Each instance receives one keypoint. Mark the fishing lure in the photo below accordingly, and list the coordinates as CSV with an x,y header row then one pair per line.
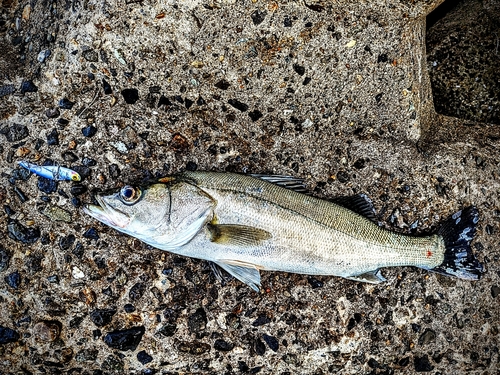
x,y
51,172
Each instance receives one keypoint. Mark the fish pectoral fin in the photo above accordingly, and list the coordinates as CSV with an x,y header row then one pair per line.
x,y
237,235
245,272
372,277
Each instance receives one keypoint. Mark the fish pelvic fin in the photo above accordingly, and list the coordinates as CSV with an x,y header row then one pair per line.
x,y
237,235
457,233
245,272
372,277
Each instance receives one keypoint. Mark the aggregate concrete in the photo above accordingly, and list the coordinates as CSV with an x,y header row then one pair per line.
x,y
335,92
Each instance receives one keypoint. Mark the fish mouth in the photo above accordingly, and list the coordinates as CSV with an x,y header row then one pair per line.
x,y
107,214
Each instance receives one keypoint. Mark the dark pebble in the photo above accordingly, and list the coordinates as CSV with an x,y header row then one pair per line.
x,y
222,84
378,97
62,121
46,185
287,22
255,115
315,283
78,189
8,211
223,345
88,162
69,156
7,90
188,103
306,81
258,17
261,320
163,101
91,234
20,194
76,321
28,86
17,40
78,250
299,69
144,357
382,58
82,170
101,317
259,347
131,96
342,177
191,166
126,339
403,362
495,290
90,55
422,364
8,335
15,132
114,171
13,279
129,308
53,138
238,105
52,113
271,341
179,99
168,330
65,103
45,239
106,87
19,232
91,76
427,337
4,258
194,347
66,242
89,131
53,279
200,101
33,263
137,291
20,174
76,202
198,321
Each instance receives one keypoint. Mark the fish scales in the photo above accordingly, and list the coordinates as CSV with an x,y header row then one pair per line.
x,y
245,224
310,235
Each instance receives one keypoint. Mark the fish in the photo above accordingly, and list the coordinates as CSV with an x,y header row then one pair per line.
x,y
250,223
51,172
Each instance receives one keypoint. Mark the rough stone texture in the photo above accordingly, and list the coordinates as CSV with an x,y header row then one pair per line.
x,y
335,92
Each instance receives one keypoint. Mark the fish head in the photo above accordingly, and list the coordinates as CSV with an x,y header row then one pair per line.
x,y
164,215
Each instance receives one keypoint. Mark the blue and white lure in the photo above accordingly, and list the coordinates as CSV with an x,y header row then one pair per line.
x,y
52,172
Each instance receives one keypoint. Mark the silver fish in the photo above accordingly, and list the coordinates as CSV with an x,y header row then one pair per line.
x,y
245,224
52,172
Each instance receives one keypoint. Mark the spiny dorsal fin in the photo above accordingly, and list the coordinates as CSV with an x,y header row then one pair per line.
x,y
360,204
288,182
237,235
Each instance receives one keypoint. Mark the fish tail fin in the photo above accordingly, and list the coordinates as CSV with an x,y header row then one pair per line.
x,y
458,232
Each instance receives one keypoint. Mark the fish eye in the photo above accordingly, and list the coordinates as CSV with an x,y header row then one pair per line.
x,y
75,177
129,194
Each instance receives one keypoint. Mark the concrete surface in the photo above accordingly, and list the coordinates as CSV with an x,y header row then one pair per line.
x,y
335,92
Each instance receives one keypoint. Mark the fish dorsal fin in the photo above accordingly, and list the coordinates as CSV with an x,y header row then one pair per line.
x,y
360,204
288,182
237,235
372,277
243,271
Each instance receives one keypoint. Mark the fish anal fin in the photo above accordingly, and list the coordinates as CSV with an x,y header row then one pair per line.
x,y
237,235
371,277
247,273
360,204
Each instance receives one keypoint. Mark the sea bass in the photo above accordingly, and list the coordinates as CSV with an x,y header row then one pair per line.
x,y
245,224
